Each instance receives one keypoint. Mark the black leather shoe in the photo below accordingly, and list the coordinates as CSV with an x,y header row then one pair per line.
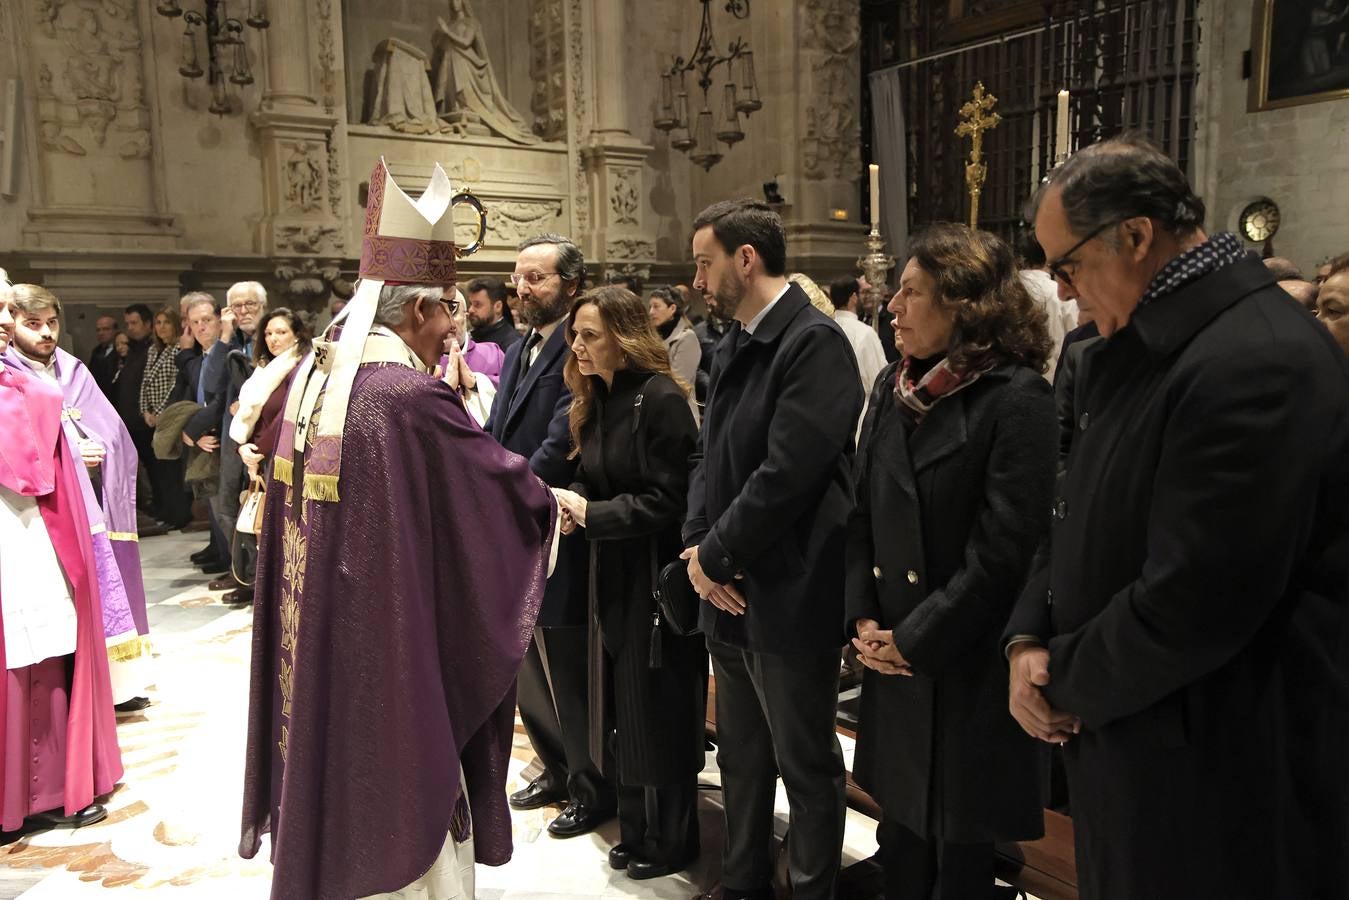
x,y
205,553
641,869
619,856
214,566
239,597
577,819
94,812
135,704
535,795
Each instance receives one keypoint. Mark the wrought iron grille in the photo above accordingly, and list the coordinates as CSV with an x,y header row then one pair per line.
x,y
1130,64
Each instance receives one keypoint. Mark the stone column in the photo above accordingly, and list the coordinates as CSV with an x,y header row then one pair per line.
x,y
620,235
303,226
290,78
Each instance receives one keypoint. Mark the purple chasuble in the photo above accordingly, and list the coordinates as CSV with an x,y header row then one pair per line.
x,y
386,643
87,413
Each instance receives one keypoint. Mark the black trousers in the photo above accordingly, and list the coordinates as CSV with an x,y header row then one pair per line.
x,y
918,868
553,707
775,714
172,501
660,824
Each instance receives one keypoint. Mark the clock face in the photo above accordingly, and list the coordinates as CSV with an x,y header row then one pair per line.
x,y
1260,220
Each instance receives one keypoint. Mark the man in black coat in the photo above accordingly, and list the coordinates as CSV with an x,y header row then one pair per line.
x,y
103,358
529,417
768,505
1186,639
489,315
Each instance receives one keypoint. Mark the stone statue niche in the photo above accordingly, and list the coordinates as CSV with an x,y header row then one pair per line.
x,y
467,94
402,92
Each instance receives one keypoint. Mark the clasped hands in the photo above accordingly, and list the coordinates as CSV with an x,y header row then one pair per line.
x,y
725,597
877,651
571,506
91,452
1028,675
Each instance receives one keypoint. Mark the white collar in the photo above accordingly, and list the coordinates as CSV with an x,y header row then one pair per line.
x,y
757,320
845,314
46,370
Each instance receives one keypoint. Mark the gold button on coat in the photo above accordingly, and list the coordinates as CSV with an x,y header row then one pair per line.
x,y
913,577
876,570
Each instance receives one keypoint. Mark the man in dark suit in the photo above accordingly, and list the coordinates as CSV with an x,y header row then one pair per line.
x,y
768,505
103,358
529,417
1186,636
489,315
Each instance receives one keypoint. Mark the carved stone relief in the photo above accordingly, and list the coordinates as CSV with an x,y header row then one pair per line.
x,y
334,175
548,69
305,177
310,239
511,221
625,198
90,78
327,53
630,248
575,50
308,280
832,145
642,272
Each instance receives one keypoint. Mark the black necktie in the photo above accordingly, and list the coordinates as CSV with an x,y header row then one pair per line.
x,y
526,349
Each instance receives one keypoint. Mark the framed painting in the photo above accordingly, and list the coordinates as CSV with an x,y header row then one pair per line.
x,y
1299,53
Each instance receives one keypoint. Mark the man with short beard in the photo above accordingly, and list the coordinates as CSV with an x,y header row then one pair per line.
x,y
529,417
489,315
95,434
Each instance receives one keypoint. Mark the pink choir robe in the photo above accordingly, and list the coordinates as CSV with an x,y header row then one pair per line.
x,y
73,732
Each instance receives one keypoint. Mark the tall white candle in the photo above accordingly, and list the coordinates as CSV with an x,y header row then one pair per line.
x,y
1061,132
875,194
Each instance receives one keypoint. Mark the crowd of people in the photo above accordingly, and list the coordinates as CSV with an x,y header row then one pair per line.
x,y
1088,503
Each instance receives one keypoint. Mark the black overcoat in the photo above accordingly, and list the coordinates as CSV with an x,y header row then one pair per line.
x,y
771,486
529,417
1197,602
634,472
948,517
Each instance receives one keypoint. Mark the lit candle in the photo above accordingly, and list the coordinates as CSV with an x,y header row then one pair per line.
x,y
875,194
1061,133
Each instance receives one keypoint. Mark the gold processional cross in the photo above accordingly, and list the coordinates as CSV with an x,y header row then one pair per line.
x,y
977,116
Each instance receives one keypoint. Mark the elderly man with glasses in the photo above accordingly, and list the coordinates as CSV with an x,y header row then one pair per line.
x,y
1184,637
529,417
225,367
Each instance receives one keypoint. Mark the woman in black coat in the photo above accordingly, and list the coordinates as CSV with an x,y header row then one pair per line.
x,y
954,477
634,431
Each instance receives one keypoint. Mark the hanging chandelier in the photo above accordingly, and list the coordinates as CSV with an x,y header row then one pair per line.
x,y
224,45
672,114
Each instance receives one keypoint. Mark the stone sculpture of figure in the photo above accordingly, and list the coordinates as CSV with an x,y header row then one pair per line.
x,y
463,80
403,99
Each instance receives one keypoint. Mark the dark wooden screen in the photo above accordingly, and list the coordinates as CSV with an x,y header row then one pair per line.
x,y
1130,64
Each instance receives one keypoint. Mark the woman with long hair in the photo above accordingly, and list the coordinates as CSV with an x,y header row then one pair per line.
x,y
633,430
284,341
954,478
172,502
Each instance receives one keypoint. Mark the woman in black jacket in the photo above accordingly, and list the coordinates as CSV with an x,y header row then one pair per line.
x,y
954,477
634,433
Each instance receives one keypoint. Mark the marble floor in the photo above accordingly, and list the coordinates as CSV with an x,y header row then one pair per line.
x,y
174,820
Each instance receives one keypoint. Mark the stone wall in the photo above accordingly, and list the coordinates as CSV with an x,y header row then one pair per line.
x,y
1296,156
131,190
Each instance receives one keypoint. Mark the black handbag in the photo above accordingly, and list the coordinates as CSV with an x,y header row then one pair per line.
x,y
676,602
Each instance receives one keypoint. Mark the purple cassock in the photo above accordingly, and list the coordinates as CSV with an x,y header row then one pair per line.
x,y
87,413
386,643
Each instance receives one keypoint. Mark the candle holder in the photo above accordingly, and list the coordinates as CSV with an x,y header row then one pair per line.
x,y
876,266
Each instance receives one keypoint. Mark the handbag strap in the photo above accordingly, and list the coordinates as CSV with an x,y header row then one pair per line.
x,y
639,440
